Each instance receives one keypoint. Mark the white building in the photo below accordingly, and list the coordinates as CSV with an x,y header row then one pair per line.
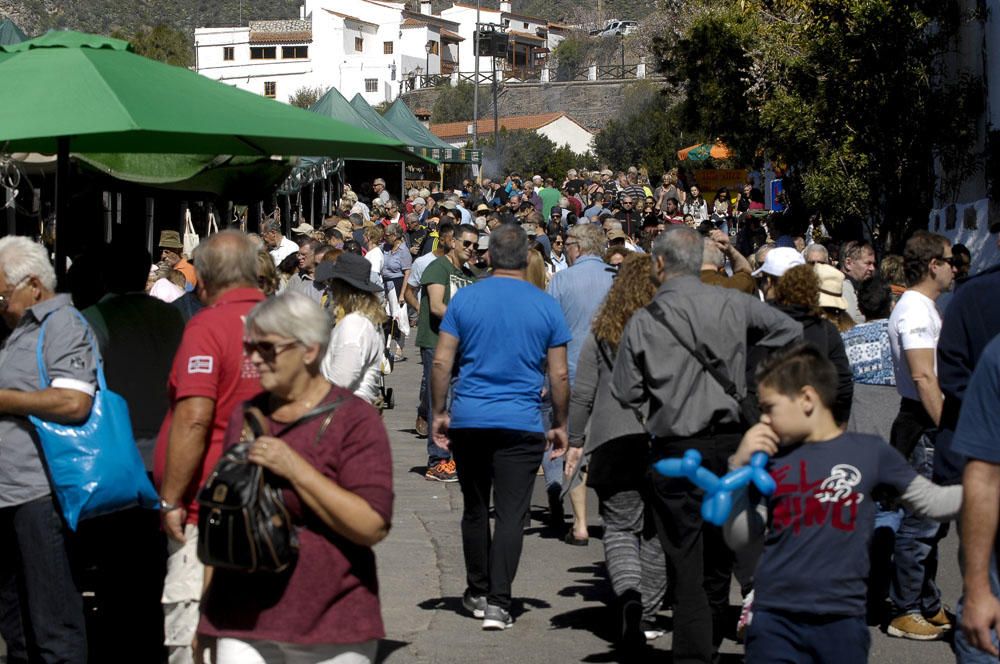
x,y
357,46
531,38
966,205
559,128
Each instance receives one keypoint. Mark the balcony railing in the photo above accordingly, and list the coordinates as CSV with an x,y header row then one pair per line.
x,y
540,74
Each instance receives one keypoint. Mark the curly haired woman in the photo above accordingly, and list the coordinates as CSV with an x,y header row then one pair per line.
x,y
797,294
617,449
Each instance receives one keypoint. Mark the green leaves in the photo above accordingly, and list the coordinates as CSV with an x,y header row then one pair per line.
x,y
840,90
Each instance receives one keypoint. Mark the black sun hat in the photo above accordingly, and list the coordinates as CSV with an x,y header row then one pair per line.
x,y
349,268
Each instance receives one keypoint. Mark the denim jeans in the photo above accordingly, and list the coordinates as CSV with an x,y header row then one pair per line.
x,y
913,588
435,454
41,610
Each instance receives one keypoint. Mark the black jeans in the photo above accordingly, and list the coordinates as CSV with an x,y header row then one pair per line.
x,y
41,610
505,461
697,551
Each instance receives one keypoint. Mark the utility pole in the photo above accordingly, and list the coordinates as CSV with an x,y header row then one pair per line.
x,y
475,79
496,110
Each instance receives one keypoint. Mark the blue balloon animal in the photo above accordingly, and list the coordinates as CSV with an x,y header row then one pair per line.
x,y
718,500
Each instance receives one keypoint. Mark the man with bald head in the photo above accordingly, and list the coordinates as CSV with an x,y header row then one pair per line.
x,y
209,378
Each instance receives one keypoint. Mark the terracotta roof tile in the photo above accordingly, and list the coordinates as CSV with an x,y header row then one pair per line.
x,y
513,123
448,35
279,37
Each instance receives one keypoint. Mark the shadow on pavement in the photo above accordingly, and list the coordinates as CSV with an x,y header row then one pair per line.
x,y
388,646
518,606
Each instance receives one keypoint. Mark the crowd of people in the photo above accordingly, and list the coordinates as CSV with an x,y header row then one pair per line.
x,y
577,328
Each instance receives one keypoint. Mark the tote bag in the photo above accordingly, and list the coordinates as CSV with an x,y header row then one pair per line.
x,y
191,239
95,467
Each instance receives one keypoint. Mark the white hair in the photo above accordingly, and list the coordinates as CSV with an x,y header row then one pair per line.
x,y
292,315
20,258
818,250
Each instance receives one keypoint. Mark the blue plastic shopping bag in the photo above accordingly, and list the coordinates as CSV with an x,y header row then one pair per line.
x,y
95,467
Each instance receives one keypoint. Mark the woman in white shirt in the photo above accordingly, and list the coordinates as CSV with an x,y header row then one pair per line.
x,y
356,352
375,255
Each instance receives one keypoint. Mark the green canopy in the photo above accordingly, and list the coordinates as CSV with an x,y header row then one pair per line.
x,y
101,97
400,117
91,94
225,176
333,105
370,115
10,33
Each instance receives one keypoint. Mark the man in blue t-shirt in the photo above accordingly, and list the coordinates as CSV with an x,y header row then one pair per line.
x,y
494,429
976,439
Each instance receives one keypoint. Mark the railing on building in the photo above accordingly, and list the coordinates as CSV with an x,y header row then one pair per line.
x,y
592,72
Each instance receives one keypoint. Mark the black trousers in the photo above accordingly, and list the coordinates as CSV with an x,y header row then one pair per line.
x,y
41,610
506,462
702,561
123,557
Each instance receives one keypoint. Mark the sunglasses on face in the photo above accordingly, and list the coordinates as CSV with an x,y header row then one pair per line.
x,y
468,243
950,260
268,350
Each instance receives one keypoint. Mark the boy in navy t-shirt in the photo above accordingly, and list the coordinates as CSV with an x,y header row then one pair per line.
x,y
811,581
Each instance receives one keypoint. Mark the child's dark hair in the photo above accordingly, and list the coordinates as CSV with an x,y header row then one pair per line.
x,y
788,370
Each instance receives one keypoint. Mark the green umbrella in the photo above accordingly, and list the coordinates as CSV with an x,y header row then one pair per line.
x,y
86,93
102,97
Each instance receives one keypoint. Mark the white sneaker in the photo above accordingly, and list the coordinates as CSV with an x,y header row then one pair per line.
x,y
496,619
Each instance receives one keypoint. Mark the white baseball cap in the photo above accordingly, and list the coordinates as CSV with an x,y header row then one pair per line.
x,y
779,260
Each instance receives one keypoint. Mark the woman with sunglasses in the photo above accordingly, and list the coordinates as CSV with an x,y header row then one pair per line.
x,y
356,350
335,470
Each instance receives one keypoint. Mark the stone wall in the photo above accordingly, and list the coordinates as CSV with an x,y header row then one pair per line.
x,y
591,103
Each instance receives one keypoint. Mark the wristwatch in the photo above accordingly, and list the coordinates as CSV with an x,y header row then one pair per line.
x,y
168,507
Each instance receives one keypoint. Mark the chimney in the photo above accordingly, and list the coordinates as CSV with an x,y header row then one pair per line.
x,y
425,7
302,12
504,6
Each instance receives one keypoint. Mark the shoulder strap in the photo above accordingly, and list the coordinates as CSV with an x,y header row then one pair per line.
x,y
719,374
315,412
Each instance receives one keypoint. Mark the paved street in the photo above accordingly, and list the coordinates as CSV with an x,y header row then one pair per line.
x,y
560,592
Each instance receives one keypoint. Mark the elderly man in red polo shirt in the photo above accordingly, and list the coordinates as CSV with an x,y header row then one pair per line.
x,y
210,377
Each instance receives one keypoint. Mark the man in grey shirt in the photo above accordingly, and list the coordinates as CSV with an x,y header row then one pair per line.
x,y
684,407
41,610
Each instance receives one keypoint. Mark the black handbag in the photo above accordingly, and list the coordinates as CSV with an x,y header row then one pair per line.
x,y
748,405
243,523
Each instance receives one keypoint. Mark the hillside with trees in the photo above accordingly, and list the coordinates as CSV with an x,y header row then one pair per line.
x,y
128,16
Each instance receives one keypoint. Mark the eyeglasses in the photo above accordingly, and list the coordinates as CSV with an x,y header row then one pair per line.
x,y
5,298
468,243
571,244
950,260
626,202
268,350
557,243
